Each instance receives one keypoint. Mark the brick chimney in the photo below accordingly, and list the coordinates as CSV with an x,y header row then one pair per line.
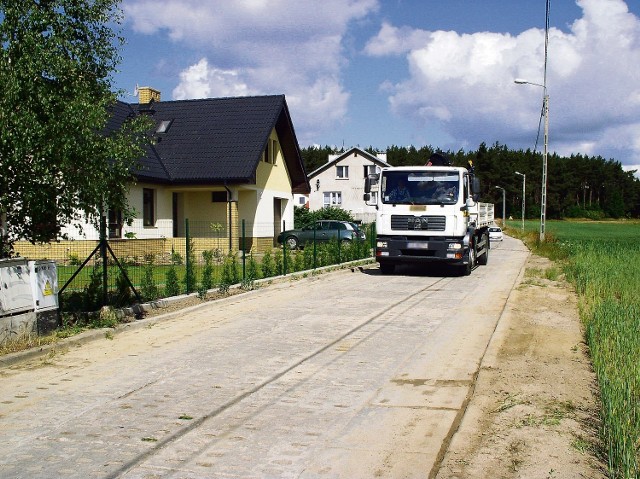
x,y
146,94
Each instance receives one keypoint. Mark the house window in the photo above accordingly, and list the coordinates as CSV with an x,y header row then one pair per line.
x,y
114,224
370,170
268,151
276,150
302,200
342,172
218,196
332,198
163,126
148,207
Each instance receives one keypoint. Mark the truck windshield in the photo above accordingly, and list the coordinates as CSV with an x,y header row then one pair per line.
x,y
419,187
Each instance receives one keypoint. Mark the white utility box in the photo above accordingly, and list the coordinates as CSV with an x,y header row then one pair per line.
x,y
44,288
44,283
15,287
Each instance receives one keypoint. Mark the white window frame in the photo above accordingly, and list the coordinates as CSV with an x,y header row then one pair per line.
x,y
342,172
332,198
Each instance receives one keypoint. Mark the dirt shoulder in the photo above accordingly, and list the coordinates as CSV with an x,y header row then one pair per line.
x,y
534,411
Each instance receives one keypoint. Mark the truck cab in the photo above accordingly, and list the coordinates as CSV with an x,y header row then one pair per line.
x,y
427,214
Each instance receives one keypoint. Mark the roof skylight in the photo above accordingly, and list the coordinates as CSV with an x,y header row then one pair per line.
x,y
164,126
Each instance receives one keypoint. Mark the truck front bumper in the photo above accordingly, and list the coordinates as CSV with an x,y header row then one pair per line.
x,y
394,250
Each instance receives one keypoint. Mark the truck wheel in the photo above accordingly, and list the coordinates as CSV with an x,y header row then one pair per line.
x,y
484,259
472,260
387,268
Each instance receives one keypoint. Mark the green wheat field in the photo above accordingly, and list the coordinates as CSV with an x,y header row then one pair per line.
x,y
602,260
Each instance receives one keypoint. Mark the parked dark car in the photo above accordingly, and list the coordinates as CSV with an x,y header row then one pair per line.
x,y
325,230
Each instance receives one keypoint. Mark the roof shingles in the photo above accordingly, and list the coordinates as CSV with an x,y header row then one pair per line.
x,y
216,140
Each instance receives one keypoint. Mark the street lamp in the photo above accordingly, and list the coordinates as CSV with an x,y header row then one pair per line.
x,y
524,181
545,109
503,203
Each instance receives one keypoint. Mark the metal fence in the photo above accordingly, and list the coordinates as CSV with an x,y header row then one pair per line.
x,y
124,271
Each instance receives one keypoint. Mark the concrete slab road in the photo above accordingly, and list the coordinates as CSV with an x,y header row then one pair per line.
x,y
346,374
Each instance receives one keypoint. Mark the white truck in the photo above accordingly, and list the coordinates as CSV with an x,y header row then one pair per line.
x,y
428,214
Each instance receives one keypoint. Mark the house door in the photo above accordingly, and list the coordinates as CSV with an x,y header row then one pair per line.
x,y
277,219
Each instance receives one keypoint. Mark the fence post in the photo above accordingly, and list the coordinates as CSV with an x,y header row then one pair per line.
x,y
103,256
244,255
284,252
315,249
187,255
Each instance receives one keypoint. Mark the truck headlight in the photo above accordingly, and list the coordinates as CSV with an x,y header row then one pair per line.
x,y
381,244
455,246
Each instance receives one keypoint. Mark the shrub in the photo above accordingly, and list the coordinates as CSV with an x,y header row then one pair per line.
x,y
303,217
278,262
268,265
230,271
176,257
207,272
252,269
172,285
148,287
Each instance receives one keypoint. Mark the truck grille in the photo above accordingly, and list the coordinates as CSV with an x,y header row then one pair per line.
x,y
419,223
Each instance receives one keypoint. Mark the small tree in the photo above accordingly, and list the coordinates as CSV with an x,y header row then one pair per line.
x,y
252,270
148,287
59,161
172,285
207,272
268,265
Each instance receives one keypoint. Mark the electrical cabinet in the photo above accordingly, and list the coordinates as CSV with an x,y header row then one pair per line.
x,y
15,287
44,284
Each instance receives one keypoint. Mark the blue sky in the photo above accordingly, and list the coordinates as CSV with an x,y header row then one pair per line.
x,y
404,72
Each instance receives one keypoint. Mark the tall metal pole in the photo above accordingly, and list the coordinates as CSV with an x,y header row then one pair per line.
x,y
543,209
545,107
545,111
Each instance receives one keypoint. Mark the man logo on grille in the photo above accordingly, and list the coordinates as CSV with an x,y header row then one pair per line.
x,y
419,223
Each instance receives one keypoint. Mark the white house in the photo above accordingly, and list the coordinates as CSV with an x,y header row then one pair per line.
x,y
340,182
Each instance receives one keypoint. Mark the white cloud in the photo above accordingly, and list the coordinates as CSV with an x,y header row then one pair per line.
x,y
465,82
202,81
261,47
393,40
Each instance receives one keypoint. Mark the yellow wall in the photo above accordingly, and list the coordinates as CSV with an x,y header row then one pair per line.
x,y
274,176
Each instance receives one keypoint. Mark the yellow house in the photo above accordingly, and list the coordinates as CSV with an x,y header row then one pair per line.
x,y
214,162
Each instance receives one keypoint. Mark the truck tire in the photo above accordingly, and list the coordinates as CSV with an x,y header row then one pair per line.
x,y
484,259
472,259
387,268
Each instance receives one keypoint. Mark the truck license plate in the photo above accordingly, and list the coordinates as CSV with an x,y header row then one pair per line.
x,y
416,245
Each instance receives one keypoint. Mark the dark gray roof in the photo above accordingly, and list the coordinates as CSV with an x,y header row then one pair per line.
x,y
373,158
215,141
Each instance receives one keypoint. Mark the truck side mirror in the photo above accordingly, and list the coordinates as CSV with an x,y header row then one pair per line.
x,y
370,181
475,185
366,197
475,188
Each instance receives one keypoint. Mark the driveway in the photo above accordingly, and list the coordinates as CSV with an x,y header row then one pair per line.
x,y
345,374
